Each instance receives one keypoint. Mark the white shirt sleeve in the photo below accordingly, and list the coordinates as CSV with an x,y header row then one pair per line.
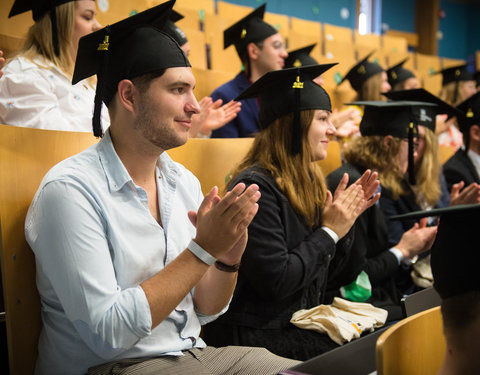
x,y
73,255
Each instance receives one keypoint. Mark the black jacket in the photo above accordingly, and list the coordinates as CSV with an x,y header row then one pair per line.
x,y
370,249
460,168
284,269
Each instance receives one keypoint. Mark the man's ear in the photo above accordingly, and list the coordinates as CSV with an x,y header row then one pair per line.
x,y
127,94
253,51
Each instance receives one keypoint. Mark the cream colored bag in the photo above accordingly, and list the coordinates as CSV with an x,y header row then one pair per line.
x,y
343,320
422,273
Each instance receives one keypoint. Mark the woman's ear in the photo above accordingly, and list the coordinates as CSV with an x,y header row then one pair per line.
x,y
126,94
387,141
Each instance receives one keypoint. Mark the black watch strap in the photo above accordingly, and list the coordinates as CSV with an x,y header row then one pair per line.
x,y
226,268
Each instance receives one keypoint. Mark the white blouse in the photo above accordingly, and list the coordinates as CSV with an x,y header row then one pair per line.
x,y
37,94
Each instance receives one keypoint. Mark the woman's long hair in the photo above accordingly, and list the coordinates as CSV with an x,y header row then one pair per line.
x,y
371,152
39,38
371,88
450,93
427,189
300,179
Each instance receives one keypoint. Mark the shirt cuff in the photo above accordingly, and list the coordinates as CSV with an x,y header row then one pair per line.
x,y
398,254
332,234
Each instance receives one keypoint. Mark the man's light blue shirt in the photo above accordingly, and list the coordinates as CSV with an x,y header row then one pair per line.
x,y
95,242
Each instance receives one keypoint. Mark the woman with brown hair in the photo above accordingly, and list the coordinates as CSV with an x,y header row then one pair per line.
x,y
292,242
36,89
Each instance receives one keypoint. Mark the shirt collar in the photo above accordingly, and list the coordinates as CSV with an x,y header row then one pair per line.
x,y
475,158
116,173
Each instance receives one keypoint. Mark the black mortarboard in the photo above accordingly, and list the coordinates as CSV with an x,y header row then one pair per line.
x,y
397,73
127,49
395,118
362,71
454,255
39,8
476,77
285,91
470,115
173,30
455,74
425,115
250,29
300,57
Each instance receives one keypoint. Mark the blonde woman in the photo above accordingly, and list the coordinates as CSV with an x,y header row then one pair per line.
x,y
384,147
458,85
292,244
36,89
368,79
430,188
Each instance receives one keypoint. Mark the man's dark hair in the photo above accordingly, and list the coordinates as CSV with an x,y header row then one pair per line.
x,y
460,311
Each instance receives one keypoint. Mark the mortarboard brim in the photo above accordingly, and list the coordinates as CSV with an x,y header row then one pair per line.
x,y
435,212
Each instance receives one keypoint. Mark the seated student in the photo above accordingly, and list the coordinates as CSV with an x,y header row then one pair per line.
x,y
383,147
346,121
293,237
125,279
464,165
368,79
458,283
213,114
457,86
260,48
429,189
400,78
36,90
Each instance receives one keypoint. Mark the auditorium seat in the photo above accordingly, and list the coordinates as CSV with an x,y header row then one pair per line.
x,y
25,157
413,346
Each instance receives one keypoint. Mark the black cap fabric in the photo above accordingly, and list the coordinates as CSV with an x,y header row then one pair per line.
x,y
173,30
455,74
300,57
397,73
425,115
38,7
250,29
362,71
476,77
470,110
454,255
389,118
285,91
398,119
127,49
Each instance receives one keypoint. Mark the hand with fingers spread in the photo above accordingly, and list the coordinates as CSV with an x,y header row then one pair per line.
x,y
469,195
213,115
417,239
369,183
222,223
341,211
